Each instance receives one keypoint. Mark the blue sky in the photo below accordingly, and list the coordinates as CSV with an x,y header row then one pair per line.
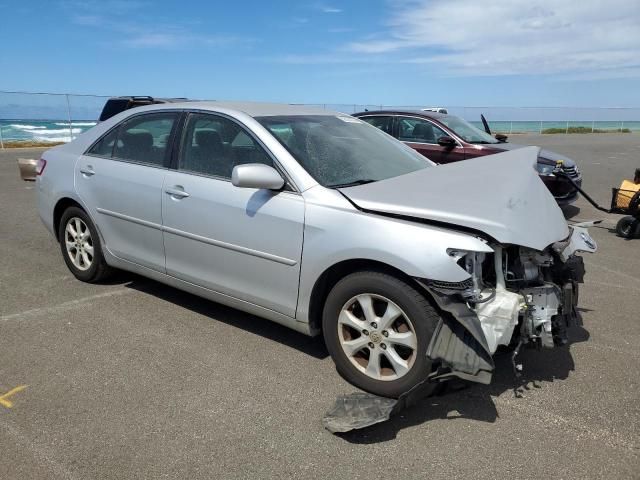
x,y
411,52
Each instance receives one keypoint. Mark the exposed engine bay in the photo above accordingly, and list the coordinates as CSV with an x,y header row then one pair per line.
x,y
518,295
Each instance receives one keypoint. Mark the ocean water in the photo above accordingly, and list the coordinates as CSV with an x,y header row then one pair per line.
x,y
62,131
539,126
43,130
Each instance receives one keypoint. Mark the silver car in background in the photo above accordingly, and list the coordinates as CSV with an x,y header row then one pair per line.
x,y
323,223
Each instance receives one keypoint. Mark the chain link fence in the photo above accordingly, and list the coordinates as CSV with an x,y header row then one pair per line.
x,y
28,118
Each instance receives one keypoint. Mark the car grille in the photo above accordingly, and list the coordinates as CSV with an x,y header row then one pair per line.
x,y
573,172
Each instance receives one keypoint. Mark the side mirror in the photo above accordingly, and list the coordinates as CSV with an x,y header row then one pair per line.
x,y
446,142
256,175
501,138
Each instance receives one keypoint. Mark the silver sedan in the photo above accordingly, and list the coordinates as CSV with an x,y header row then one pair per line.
x,y
321,222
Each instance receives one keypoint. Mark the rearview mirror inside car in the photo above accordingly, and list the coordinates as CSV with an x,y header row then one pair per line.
x,y
446,142
256,175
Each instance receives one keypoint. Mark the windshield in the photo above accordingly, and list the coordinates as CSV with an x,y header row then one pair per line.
x,y
342,150
466,131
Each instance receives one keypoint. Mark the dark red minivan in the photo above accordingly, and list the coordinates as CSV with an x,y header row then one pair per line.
x,y
444,138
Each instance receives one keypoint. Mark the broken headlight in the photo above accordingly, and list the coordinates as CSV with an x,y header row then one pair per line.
x,y
546,169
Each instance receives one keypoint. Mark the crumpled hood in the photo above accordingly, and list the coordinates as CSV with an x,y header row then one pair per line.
x,y
500,195
544,154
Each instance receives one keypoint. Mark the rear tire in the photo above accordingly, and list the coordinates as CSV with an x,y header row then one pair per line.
x,y
377,329
81,247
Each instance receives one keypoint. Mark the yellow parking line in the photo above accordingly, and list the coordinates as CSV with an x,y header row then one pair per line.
x,y
4,399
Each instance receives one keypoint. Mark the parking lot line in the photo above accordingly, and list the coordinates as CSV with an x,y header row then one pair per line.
x,y
4,399
65,305
610,270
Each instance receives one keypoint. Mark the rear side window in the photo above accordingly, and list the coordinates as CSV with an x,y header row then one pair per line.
x,y
104,147
381,122
213,145
145,139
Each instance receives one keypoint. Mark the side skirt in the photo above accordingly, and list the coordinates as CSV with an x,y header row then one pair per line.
x,y
218,297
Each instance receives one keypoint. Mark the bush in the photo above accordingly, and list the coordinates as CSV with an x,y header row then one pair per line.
x,y
584,130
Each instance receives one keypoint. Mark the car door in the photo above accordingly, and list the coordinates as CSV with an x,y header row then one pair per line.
x,y
241,242
120,181
422,135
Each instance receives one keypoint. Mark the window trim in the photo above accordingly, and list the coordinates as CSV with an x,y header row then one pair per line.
x,y
289,185
445,130
166,162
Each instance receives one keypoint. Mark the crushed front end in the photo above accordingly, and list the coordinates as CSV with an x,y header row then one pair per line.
x,y
514,296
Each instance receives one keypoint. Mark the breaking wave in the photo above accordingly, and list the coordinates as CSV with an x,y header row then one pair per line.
x,y
26,127
76,124
54,139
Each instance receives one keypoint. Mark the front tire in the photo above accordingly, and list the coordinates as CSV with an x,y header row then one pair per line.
x,y
377,329
80,246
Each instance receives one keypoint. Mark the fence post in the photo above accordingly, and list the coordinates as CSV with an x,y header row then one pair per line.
x,y
567,130
593,125
69,116
540,127
621,126
1,141
511,129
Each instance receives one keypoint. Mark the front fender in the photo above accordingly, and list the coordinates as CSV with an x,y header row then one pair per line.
x,y
333,235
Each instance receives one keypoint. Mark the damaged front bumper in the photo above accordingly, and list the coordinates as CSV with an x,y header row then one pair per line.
x,y
515,296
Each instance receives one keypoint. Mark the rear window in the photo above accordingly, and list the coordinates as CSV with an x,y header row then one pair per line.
x,y
113,107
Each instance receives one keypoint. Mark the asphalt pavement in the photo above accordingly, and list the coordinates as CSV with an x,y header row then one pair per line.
x,y
133,379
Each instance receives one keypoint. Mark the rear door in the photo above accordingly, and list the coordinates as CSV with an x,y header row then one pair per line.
x,y
241,242
422,135
120,180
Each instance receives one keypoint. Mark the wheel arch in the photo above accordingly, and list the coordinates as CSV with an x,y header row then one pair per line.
x,y
61,206
64,203
333,274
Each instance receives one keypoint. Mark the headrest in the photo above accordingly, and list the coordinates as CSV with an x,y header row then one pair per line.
x,y
137,140
208,139
423,130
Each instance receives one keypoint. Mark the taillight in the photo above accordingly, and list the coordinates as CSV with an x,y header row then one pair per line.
x,y
40,166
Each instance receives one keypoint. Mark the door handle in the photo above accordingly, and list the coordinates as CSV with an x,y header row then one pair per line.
x,y
88,171
174,192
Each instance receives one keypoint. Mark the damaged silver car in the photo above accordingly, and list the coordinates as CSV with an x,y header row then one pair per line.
x,y
325,224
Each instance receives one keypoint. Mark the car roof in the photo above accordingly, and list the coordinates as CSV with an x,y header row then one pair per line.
x,y
253,109
419,113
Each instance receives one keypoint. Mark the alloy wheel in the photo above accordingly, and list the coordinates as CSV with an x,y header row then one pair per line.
x,y
377,337
78,243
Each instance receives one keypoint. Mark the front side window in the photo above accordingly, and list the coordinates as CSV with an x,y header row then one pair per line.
x,y
145,138
466,131
213,145
342,150
419,131
384,123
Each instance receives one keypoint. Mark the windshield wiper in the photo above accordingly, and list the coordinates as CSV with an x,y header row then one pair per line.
x,y
362,181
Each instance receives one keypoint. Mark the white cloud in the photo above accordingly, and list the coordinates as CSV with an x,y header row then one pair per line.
x,y
179,39
138,31
328,9
87,20
153,40
494,37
